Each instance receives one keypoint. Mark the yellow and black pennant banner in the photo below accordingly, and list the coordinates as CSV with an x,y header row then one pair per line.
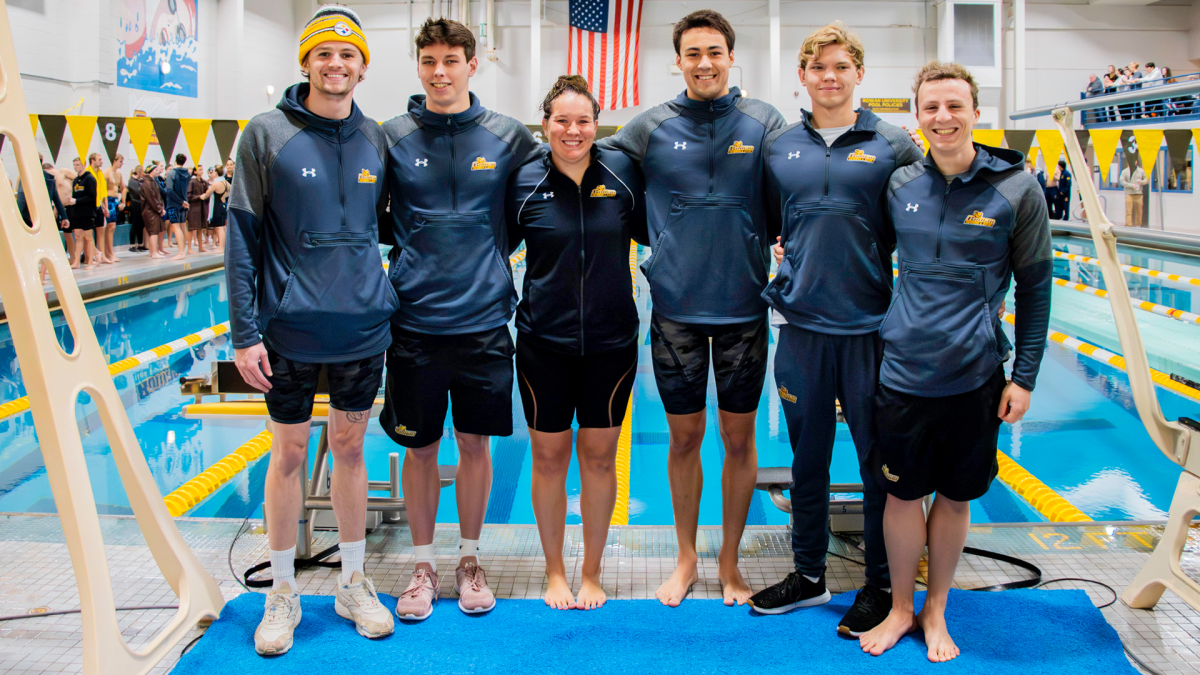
x,y
143,131
1178,143
1104,145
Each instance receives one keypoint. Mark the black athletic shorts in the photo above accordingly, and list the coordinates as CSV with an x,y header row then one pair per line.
x,y
81,220
474,370
353,386
557,387
943,444
681,356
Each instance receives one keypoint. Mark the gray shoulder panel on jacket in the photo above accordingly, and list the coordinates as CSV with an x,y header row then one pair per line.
x,y
374,133
506,128
633,137
395,129
774,135
763,112
262,139
1031,230
902,144
905,175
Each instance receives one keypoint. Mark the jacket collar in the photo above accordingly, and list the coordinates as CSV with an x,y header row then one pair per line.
x,y
987,160
292,103
866,120
450,124
718,107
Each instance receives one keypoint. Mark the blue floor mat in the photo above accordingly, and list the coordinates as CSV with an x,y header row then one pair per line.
x,y
1013,632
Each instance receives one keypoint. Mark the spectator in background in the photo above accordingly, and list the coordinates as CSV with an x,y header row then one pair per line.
x,y
1060,208
220,202
133,210
1153,77
83,214
153,209
229,171
60,211
1110,87
1094,88
1133,76
197,214
1132,182
175,197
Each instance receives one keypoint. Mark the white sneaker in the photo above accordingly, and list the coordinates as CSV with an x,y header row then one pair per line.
x,y
358,602
282,615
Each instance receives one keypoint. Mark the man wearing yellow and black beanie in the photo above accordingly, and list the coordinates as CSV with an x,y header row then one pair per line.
x,y
306,294
334,23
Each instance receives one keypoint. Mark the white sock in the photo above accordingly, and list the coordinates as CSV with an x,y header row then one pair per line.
x,y
468,547
426,555
352,558
812,579
283,569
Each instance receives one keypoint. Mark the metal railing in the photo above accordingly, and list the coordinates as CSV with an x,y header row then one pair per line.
x,y
1155,108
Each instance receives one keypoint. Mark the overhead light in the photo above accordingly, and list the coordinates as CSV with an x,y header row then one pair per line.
x,y
165,67
270,90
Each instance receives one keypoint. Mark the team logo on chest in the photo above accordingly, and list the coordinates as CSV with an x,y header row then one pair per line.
x,y
547,195
977,218
602,191
422,162
481,164
681,145
912,207
308,173
794,155
738,149
859,156
786,395
366,177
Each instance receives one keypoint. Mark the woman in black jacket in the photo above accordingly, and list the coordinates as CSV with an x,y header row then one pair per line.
x,y
576,207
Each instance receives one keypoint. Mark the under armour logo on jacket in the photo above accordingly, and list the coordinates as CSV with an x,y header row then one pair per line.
x,y
422,162
308,173
547,195
912,207
681,145
794,155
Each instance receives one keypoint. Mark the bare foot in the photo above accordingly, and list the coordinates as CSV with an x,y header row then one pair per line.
x,y
116,259
179,256
90,266
674,590
558,594
885,636
735,588
75,266
937,636
591,595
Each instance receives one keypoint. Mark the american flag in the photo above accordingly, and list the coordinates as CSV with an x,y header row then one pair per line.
x,y
604,49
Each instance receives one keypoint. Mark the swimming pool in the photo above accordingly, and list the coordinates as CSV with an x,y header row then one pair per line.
x,y
1081,437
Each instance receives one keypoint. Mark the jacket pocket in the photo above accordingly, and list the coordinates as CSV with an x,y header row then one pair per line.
x,y
451,272
337,297
832,271
939,334
709,261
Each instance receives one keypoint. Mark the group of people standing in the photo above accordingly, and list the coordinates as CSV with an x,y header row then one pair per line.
x,y
709,180
158,203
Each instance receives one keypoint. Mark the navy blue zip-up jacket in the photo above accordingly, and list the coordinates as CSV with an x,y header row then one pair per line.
x,y
177,179
960,245
446,177
60,211
577,296
830,203
303,262
703,166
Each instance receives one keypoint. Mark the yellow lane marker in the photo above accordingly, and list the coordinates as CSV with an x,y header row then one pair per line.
x,y
1154,308
22,404
1116,360
211,479
620,514
1177,278
1046,501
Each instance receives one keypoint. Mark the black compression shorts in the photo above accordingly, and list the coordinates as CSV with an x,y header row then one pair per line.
x,y
556,388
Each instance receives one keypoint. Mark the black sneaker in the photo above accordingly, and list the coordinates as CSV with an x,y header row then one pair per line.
x,y
870,608
793,592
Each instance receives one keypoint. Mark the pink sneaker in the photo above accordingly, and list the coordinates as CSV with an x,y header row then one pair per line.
x,y
416,602
474,596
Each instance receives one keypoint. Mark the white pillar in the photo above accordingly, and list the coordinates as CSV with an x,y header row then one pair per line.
x,y
535,53
1019,59
776,52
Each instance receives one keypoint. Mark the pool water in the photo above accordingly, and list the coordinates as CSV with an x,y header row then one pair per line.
x,y
1081,436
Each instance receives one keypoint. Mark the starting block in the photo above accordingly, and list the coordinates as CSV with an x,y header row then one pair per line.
x,y
317,508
